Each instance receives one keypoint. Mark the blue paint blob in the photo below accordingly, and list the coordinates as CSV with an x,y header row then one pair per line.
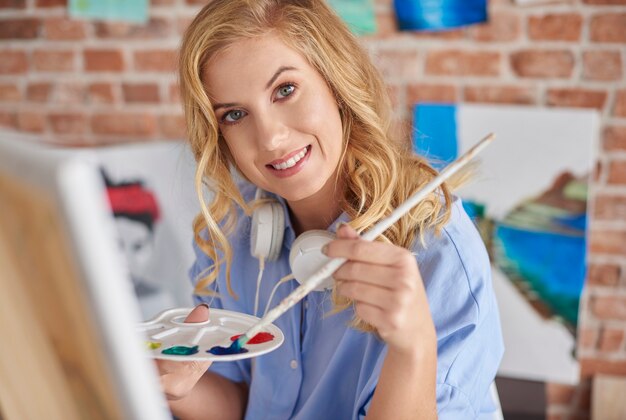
x,y
181,350
223,351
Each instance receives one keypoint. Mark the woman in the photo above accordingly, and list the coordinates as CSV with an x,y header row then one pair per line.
x,y
281,92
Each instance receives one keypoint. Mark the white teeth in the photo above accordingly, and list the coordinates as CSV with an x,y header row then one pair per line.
x,y
291,161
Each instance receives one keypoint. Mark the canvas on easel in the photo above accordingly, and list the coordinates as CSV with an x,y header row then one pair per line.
x,y
67,313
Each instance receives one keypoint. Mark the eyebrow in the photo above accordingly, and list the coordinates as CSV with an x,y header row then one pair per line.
x,y
267,86
275,76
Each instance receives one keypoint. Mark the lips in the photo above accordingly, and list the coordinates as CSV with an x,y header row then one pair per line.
x,y
291,163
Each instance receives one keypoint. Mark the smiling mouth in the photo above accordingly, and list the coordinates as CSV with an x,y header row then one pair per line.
x,y
292,161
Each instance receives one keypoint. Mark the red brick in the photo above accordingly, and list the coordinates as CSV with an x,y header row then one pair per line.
x,y
140,92
9,93
431,93
500,94
101,93
605,2
617,172
620,103
162,2
590,367
608,242
609,307
555,27
172,127
124,124
13,62
604,274
33,122
12,4
386,25
104,60
156,60
70,93
576,98
542,63
155,28
174,93
449,35
53,61
182,23
27,28
559,394
463,63
64,29
38,92
587,338
51,3
602,65
611,340
398,64
614,138
8,119
64,123
608,27
502,27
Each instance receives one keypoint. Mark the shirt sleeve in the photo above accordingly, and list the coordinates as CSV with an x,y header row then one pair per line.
x,y
456,271
236,371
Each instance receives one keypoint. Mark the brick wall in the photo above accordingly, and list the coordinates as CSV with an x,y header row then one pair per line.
x,y
83,83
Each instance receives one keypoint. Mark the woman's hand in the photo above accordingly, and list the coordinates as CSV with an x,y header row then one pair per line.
x,y
179,378
385,284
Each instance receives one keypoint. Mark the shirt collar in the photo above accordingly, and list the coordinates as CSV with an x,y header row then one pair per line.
x,y
290,234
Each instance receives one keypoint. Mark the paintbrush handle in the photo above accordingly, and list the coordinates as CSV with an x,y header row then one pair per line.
x,y
329,268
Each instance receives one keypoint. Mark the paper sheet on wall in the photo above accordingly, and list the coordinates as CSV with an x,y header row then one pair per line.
x,y
358,14
118,10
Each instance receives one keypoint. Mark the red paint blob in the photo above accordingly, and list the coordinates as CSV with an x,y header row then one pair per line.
x,y
262,337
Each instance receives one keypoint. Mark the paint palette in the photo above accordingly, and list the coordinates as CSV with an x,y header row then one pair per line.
x,y
168,337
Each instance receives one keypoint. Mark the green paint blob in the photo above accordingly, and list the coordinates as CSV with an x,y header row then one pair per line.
x,y
181,350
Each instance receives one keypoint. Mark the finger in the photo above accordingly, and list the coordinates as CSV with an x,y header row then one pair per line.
x,y
366,293
198,314
372,252
346,231
375,274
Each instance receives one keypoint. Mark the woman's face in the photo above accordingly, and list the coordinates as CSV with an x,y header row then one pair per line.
x,y
278,116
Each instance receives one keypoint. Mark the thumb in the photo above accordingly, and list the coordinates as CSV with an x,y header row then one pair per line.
x,y
198,314
345,231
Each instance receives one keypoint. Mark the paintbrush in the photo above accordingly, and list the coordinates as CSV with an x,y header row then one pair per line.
x,y
329,268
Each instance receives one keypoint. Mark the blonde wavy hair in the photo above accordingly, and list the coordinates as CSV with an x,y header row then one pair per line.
x,y
378,172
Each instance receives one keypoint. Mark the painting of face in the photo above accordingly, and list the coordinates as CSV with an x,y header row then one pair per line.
x,y
278,117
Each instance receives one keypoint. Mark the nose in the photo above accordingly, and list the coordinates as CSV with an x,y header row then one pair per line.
x,y
271,132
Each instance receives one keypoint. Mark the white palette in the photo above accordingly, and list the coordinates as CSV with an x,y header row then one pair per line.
x,y
168,330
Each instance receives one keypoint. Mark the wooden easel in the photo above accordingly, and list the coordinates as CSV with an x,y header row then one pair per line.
x,y
51,362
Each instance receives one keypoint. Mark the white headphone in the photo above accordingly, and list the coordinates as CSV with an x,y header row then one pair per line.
x,y
266,240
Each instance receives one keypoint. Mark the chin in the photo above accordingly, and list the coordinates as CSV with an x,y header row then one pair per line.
x,y
301,193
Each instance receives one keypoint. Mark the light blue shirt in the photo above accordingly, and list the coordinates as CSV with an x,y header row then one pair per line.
x,y
326,370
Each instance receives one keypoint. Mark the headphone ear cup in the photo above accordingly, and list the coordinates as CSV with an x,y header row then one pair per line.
x,y
306,258
267,229
278,231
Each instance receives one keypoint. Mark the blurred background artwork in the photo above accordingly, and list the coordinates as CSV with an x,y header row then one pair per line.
x,y
358,14
119,10
436,15
150,189
529,201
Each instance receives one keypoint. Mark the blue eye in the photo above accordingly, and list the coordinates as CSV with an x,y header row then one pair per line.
x,y
285,90
233,116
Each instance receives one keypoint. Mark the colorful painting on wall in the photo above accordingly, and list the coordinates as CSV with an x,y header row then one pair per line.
x,y
135,11
358,14
437,15
529,201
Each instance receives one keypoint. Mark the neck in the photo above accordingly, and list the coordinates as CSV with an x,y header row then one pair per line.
x,y
317,211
